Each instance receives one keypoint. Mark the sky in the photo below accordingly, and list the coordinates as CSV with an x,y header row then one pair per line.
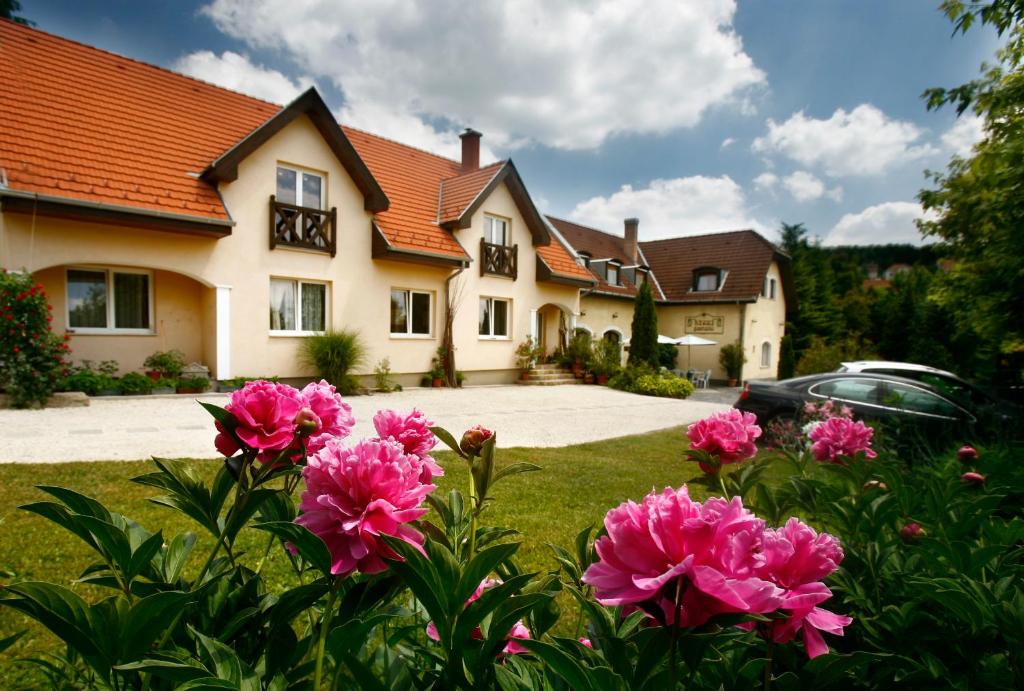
x,y
695,116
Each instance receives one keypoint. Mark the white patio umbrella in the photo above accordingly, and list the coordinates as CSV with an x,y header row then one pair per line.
x,y
666,339
691,340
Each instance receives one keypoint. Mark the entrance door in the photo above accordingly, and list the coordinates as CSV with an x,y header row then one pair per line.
x,y
542,339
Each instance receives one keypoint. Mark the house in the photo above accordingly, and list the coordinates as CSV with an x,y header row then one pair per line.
x,y
161,212
725,287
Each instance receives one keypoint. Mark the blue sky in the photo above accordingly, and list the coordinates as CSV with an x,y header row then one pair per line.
x,y
694,116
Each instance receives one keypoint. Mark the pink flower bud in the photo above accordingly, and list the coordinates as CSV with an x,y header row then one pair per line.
x,y
911,533
876,484
973,479
586,642
306,422
473,440
967,454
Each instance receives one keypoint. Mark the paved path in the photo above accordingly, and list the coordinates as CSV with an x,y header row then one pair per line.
x,y
128,428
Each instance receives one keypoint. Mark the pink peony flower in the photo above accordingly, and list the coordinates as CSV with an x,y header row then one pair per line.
x,y
518,630
967,454
670,544
838,438
796,559
336,420
973,479
412,431
911,533
473,440
584,641
729,436
355,494
265,412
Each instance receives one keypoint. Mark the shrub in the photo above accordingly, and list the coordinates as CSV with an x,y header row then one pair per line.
x,y
732,358
333,355
135,383
667,354
578,349
527,353
32,357
86,381
650,382
382,376
200,383
167,363
643,345
606,358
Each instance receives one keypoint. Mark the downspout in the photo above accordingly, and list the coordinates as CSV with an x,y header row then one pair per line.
x,y
447,338
743,330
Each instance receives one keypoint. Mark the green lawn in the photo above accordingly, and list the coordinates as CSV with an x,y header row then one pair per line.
x,y
577,485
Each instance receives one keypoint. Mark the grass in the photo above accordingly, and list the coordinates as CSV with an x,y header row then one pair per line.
x,y
577,486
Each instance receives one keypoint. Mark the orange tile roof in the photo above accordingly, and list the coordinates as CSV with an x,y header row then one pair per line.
x,y
599,245
561,261
459,192
83,123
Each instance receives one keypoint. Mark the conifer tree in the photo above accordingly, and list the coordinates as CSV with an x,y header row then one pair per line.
x,y
643,345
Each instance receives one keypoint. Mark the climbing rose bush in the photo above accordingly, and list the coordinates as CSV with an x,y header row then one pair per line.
x,y
32,358
355,494
838,439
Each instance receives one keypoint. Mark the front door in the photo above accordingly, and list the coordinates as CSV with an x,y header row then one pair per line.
x,y
542,339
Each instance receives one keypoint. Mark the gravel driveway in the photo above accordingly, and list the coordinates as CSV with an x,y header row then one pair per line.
x,y
131,428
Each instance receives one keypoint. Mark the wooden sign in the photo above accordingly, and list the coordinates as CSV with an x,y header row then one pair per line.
x,y
705,324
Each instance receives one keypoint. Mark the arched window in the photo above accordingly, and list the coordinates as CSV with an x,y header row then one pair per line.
x,y
613,336
766,354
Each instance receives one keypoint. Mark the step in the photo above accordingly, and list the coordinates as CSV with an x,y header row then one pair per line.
x,y
550,375
550,382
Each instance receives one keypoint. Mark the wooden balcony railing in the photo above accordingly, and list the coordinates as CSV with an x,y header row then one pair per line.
x,y
302,226
499,260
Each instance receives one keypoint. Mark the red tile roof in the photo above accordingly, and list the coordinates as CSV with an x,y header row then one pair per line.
x,y
599,245
459,192
743,254
83,123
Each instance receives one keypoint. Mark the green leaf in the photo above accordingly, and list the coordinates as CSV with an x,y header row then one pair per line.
x,y
60,610
59,514
207,684
449,441
309,545
422,578
77,502
220,415
482,564
148,618
515,469
225,663
6,643
173,559
171,669
560,663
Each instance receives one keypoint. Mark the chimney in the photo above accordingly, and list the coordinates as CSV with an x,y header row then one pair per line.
x,y
470,150
632,225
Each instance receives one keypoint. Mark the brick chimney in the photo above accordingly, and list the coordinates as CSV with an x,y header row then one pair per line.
x,y
632,225
470,150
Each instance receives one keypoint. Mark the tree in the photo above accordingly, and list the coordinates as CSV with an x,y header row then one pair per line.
x,y
643,345
7,10
977,199
787,358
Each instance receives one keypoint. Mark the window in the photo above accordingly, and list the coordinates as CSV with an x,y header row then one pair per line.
x,y
410,313
107,300
300,188
771,291
613,337
766,354
611,273
496,230
915,400
851,390
707,281
494,313
297,306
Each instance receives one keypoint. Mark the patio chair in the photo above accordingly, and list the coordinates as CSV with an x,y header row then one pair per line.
x,y
702,379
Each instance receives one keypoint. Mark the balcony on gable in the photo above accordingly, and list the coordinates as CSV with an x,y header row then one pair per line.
x,y
303,227
499,260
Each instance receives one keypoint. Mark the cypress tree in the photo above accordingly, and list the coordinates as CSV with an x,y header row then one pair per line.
x,y
643,345
787,358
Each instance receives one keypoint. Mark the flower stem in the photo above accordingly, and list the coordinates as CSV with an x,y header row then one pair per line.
x,y
721,483
768,665
673,674
325,625
472,514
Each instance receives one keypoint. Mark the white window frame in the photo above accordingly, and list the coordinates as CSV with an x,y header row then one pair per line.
x,y
508,319
489,220
718,282
430,319
608,269
299,172
110,329
298,307
766,348
771,285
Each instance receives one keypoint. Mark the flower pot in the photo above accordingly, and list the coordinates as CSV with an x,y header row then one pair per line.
x,y
732,382
189,389
437,383
525,376
602,379
154,375
588,378
108,392
161,390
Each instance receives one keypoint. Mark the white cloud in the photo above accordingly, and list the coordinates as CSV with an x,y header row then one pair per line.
x,y
862,142
672,208
568,75
727,142
766,181
882,224
967,131
807,187
237,72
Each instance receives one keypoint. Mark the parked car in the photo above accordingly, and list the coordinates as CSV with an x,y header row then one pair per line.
x,y
886,398
947,383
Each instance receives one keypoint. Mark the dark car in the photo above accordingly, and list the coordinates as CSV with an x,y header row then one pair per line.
x,y
885,398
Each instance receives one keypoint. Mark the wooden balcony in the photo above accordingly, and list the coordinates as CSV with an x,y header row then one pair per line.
x,y
499,260
303,227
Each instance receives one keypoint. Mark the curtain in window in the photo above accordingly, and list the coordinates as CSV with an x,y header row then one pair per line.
x,y
131,301
282,305
314,308
87,299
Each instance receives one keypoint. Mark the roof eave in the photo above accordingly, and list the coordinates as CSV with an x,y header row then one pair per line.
x,y
544,273
383,249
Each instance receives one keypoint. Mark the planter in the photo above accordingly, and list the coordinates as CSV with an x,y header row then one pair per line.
x,y
437,383
588,378
732,382
602,379
525,376
189,389
154,375
162,390
227,388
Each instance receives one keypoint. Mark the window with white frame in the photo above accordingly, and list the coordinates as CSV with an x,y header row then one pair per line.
x,y
707,280
109,300
300,187
410,312
297,306
771,289
766,354
611,273
496,230
494,318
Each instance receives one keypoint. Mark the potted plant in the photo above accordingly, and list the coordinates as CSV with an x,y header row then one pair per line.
x,y
437,377
425,381
108,385
606,359
193,384
233,384
164,386
732,358
579,351
135,384
164,364
526,356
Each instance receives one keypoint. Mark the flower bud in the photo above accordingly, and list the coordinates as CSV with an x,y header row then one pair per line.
x,y
306,422
875,484
911,533
473,440
967,454
973,479
586,642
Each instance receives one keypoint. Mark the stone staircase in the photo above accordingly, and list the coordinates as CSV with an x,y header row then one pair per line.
x,y
549,375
